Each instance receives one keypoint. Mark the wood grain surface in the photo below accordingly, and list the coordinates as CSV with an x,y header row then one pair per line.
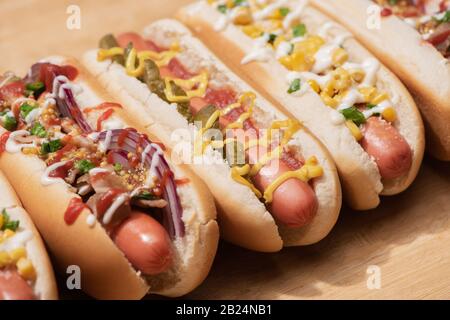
x,y
407,239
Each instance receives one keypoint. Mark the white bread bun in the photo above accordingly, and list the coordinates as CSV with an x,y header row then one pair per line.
x,y
45,285
418,64
243,218
358,171
108,274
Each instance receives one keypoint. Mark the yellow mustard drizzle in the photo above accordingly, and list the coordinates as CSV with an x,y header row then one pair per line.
x,y
237,174
311,169
160,58
199,145
201,80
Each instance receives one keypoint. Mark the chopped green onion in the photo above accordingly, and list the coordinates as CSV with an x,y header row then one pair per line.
x,y
295,86
145,195
299,30
51,146
222,8
354,114
238,2
445,18
371,106
84,166
38,130
7,223
36,88
25,109
118,167
272,38
9,123
284,11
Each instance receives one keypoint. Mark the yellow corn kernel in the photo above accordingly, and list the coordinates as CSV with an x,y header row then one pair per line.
x,y
379,98
314,85
339,57
8,233
297,61
275,24
310,45
357,74
243,16
389,114
354,129
368,93
329,88
26,269
30,151
252,30
17,254
5,259
1,221
278,40
329,101
342,79
230,4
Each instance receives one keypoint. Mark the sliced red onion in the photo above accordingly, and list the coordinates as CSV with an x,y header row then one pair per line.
x,y
120,156
173,211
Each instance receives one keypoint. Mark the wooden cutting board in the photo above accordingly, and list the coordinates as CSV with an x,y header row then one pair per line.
x,y
400,250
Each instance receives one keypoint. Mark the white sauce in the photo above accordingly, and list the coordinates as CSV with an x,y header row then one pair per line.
x,y
112,124
284,48
91,220
104,145
19,239
260,51
267,11
11,144
378,109
336,117
324,58
295,14
350,99
95,171
32,115
46,179
120,200
84,190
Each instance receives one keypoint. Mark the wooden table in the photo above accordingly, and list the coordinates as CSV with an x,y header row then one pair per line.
x,y
407,239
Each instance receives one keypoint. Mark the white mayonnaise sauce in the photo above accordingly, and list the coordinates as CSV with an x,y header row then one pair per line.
x,y
260,51
46,179
12,146
120,200
91,220
295,14
19,239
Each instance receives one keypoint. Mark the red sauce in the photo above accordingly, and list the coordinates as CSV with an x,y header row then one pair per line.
x,y
134,161
106,200
76,206
178,70
220,97
386,12
123,135
11,91
62,171
102,106
166,176
442,6
54,122
105,116
49,71
3,139
60,153
183,181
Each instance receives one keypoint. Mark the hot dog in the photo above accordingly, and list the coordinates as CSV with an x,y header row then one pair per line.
x,y
252,157
25,269
413,39
313,69
104,186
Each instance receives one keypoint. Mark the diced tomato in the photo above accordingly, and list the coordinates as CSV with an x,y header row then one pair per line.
x,y
178,70
60,153
220,97
386,12
49,71
12,91
138,42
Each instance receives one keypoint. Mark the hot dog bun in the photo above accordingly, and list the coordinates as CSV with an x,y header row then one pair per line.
x,y
243,217
108,274
44,287
418,64
359,173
